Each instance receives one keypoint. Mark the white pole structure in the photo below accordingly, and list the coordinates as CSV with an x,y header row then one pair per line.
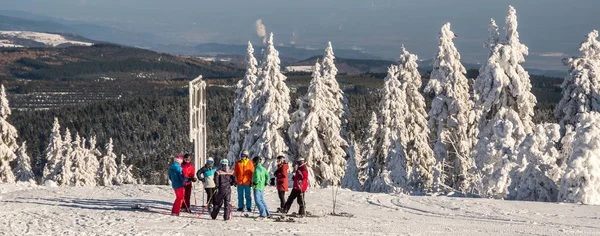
x,y
198,120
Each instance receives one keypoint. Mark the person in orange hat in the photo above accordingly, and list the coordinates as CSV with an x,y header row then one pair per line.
x,y
243,171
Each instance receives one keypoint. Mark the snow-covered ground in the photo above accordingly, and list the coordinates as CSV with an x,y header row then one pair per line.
x,y
8,44
38,210
45,38
299,68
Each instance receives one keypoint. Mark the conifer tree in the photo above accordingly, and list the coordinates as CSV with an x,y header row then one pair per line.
x,y
451,118
108,166
581,87
241,122
8,140
505,106
414,130
315,130
389,159
270,110
124,175
581,182
23,172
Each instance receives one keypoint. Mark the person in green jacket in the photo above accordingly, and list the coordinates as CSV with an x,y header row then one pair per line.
x,y
260,179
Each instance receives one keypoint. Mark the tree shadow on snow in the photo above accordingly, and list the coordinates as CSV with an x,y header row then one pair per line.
x,y
98,204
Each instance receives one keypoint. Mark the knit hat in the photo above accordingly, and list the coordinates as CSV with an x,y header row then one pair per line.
x,y
224,162
245,153
210,159
301,159
178,159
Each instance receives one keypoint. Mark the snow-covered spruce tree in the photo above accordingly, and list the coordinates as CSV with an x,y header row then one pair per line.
x,y
502,90
582,86
108,166
85,163
496,155
450,117
53,155
581,182
23,172
241,122
367,153
390,166
337,101
415,133
8,140
350,180
315,130
566,144
270,109
91,163
124,175
78,156
93,148
493,35
64,175
539,173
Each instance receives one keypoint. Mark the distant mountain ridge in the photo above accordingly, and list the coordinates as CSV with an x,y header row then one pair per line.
x,y
22,21
105,61
361,66
358,61
287,53
38,39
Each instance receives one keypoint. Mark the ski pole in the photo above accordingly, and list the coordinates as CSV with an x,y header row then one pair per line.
x,y
209,200
187,207
195,201
254,208
304,203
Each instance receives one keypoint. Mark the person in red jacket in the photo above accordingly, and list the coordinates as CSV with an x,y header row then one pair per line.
x,y
281,179
300,186
188,172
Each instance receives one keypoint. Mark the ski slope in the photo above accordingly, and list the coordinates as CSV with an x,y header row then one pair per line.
x,y
39,210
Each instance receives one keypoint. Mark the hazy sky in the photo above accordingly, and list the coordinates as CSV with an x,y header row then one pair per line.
x,y
547,27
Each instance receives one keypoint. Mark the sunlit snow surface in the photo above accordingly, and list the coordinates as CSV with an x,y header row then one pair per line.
x,y
45,38
33,210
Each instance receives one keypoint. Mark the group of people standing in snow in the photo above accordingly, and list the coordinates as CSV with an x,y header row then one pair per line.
x,y
250,178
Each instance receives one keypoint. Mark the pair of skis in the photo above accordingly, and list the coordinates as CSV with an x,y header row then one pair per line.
x,y
274,218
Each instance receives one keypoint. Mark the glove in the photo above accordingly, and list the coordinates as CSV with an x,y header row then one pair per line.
x,y
194,179
272,182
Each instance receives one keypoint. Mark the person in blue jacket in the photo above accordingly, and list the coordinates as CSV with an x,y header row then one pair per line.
x,y
177,180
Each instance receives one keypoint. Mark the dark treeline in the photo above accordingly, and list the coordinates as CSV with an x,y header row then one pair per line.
x,y
90,63
150,131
